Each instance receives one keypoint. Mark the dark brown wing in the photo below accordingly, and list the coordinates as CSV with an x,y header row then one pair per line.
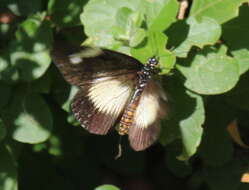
x,y
83,65
89,116
146,125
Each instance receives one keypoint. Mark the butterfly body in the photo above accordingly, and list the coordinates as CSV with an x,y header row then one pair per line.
x,y
143,77
114,88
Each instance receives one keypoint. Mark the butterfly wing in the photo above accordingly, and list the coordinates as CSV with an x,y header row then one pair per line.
x,y
146,125
106,80
84,65
98,106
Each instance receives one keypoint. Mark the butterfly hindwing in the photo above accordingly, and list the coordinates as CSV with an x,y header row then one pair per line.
x,y
146,125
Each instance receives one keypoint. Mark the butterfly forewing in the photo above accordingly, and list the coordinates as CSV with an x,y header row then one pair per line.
x,y
146,125
81,66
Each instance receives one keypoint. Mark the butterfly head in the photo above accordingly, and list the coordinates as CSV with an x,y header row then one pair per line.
x,y
152,62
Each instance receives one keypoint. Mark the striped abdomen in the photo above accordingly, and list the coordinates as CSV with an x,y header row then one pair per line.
x,y
129,113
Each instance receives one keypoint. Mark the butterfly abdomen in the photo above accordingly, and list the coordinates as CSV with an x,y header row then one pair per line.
x,y
127,118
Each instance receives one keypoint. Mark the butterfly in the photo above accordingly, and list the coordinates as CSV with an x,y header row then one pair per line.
x,y
114,89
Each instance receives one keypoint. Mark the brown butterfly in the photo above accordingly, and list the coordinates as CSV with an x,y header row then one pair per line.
x,y
114,88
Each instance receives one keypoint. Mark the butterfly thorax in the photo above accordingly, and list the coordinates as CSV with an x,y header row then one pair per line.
x,y
143,78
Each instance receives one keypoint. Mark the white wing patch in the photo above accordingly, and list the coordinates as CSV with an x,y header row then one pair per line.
x,y
111,96
77,58
150,108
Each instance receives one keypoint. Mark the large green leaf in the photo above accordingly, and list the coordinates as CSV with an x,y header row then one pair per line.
x,y
235,35
8,169
221,11
100,31
28,118
29,53
210,72
8,73
185,119
107,187
42,84
206,31
120,26
160,14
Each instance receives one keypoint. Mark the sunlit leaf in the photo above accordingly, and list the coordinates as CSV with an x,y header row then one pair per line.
x,y
210,72
160,14
185,120
29,54
29,118
204,32
107,187
221,11
8,169
235,35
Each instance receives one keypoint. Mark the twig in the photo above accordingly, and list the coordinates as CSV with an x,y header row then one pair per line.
x,y
182,10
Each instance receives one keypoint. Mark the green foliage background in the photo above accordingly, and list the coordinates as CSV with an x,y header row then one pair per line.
x,y
204,62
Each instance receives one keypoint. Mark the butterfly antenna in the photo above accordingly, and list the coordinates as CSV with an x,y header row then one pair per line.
x,y
119,148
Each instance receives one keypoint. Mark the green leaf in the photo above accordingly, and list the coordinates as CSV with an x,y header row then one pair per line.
x,y
155,46
160,14
121,20
210,72
67,105
2,130
107,187
42,84
100,31
65,13
8,170
235,35
127,28
6,33
5,94
29,117
185,119
204,32
221,11
191,128
29,54
8,73
63,92
137,38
